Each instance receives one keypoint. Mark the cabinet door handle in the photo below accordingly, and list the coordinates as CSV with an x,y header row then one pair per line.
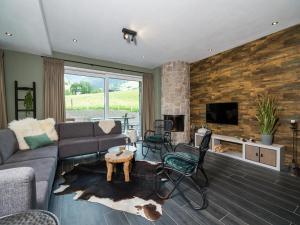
x,y
261,155
256,154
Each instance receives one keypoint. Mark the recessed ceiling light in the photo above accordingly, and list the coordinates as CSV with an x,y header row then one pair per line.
x,y
8,34
143,56
75,40
275,23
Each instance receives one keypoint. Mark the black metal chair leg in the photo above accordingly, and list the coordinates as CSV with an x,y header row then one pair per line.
x,y
201,191
145,153
203,197
175,183
205,176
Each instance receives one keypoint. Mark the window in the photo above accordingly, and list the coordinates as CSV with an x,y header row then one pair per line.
x,y
93,95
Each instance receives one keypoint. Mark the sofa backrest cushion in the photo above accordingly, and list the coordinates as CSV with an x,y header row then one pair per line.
x,y
75,129
116,130
8,144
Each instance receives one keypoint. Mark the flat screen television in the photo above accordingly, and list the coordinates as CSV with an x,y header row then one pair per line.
x,y
222,113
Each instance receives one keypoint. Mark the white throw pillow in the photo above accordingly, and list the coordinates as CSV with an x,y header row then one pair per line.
x,y
24,128
48,126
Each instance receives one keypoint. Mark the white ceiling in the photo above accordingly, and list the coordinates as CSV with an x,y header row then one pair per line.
x,y
167,29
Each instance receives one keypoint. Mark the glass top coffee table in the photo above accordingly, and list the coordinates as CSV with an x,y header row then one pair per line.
x,y
116,149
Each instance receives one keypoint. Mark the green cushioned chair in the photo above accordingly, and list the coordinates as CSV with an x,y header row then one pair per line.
x,y
184,162
158,139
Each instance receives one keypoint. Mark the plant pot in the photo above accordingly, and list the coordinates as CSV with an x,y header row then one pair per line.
x,y
266,139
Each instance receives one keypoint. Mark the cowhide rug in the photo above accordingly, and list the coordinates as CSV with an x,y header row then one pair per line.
x,y
89,183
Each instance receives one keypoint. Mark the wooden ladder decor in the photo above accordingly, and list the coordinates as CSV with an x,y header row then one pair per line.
x,y
17,99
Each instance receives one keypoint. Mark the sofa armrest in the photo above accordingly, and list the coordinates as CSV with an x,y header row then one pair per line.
x,y
17,190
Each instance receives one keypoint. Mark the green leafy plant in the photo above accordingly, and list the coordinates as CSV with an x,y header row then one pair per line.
x,y
267,114
28,102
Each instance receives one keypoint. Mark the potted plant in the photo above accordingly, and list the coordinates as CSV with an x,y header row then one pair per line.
x,y
28,102
267,116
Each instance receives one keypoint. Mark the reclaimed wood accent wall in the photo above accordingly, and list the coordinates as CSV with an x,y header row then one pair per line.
x,y
268,65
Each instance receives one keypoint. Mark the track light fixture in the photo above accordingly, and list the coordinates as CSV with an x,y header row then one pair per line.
x,y
129,35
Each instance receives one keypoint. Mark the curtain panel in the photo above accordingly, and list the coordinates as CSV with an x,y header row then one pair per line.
x,y
54,88
148,102
3,115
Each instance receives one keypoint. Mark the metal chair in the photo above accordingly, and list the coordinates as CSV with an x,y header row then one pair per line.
x,y
183,164
159,138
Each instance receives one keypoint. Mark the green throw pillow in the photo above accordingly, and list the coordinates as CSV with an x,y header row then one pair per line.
x,y
38,141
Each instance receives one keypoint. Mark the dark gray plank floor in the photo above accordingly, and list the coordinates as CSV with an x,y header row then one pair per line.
x,y
238,193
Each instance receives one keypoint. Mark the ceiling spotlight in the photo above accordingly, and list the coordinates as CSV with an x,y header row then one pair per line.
x,y
125,36
275,23
8,34
129,35
75,40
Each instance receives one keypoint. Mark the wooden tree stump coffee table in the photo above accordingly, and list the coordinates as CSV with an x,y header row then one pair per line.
x,y
113,158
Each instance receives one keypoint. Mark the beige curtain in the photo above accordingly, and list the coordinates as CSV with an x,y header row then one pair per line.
x,y
54,104
3,115
148,102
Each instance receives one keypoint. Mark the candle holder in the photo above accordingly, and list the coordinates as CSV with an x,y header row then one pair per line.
x,y
294,169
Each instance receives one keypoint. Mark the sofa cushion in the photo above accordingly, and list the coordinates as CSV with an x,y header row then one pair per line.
x,y
182,161
44,169
116,130
76,130
111,140
77,146
8,144
50,151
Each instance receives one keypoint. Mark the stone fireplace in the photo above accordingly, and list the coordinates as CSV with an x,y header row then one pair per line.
x,y
175,102
178,122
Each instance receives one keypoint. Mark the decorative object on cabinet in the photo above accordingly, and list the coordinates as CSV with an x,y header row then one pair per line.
x,y
267,116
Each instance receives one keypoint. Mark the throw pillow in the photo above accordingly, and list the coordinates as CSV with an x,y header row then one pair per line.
x,y
106,125
38,141
48,126
24,128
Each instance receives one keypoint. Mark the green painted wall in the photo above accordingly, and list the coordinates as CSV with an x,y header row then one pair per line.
x,y
26,68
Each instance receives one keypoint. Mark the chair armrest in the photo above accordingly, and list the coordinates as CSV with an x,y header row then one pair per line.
x,y
17,190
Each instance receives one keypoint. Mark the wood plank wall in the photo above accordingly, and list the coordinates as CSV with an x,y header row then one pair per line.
x,y
268,65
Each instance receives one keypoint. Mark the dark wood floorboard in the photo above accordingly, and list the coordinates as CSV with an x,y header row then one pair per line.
x,y
270,208
239,193
232,220
165,219
133,219
179,215
116,218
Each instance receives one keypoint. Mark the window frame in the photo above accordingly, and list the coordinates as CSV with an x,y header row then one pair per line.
x,y
106,76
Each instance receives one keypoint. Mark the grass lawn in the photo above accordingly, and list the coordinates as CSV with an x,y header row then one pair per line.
x,y
119,100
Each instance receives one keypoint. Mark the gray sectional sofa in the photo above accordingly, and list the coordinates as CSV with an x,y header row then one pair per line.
x,y
87,137
26,177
